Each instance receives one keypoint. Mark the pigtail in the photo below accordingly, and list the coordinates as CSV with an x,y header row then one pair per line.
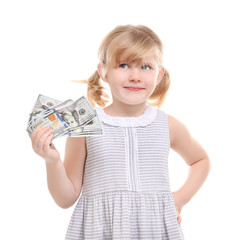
x,y
95,90
161,90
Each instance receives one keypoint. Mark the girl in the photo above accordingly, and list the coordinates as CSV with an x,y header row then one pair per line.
x,y
122,175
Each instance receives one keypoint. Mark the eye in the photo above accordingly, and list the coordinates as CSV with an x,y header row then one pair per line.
x,y
123,65
146,67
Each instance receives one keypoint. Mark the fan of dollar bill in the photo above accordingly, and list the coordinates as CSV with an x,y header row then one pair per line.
x,y
68,118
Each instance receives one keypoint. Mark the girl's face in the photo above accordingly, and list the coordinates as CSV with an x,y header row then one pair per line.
x,y
133,84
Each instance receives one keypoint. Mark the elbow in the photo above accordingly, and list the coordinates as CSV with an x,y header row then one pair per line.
x,y
209,164
66,200
206,165
65,205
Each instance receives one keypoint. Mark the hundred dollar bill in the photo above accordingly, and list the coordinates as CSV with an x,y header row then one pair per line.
x,y
58,106
42,103
47,112
65,116
77,113
94,127
54,121
71,118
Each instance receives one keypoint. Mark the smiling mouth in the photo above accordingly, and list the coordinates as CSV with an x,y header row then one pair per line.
x,y
134,88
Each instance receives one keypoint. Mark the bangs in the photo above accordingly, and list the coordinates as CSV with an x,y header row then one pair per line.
x,y
132,50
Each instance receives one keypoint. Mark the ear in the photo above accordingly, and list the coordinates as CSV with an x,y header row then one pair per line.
x,y
160,75
101,71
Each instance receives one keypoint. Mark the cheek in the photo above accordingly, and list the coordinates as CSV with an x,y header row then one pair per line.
x,y
117,79
152,79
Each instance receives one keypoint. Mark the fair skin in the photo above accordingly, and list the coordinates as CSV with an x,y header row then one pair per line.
x,y
65,178
126,102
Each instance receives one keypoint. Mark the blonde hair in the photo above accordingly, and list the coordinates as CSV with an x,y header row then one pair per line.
x,y
139,41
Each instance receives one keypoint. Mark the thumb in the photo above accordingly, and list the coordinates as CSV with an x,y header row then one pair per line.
x,y
179,219
52,146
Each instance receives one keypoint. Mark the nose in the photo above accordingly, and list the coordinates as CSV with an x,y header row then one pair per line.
x,y
135,75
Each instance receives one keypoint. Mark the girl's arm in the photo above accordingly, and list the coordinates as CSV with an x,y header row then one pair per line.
x,y
64,178
194,155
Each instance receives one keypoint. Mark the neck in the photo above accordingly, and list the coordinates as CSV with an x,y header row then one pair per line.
x,y
125,110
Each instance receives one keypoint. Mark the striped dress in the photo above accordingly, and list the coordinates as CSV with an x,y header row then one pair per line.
x,y
126,192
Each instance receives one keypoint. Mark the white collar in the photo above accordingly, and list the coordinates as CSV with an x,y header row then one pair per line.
x,y
146,118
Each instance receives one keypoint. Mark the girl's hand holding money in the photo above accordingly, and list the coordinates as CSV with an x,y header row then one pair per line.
x,y
41,144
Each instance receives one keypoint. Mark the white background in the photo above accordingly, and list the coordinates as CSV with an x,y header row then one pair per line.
x,y
44,44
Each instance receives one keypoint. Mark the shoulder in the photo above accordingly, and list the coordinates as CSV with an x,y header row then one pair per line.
x,y
177,130
182,142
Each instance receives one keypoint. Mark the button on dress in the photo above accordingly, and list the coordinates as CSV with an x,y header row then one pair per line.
x,y
126,192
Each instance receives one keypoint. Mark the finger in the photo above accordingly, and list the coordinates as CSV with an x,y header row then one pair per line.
x,y
35,140
34,133
47,142
52,146
42,139
178,216
179,219
38,131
